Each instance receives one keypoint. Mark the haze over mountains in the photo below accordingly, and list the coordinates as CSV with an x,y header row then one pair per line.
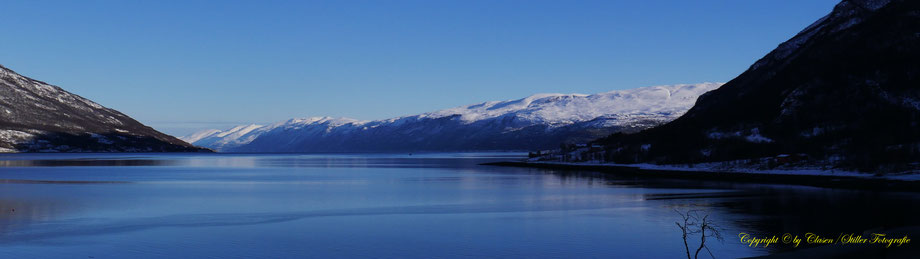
x,y
38,117
537,122
845,92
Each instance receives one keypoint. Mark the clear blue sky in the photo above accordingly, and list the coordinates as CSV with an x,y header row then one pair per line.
x,y
184,65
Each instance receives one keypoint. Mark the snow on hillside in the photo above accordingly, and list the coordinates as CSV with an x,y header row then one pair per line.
x,y
570,108
614,108
218,139
298,123
39,117
200,135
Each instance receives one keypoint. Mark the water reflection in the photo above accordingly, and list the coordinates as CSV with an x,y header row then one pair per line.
x,y
86,162
767,210
16,215
48,200
433,160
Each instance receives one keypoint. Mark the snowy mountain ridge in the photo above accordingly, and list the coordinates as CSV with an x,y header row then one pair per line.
x,y
555,109
38,117
840,94
620,108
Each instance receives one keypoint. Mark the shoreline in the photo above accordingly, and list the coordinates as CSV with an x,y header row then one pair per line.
x,y
827,181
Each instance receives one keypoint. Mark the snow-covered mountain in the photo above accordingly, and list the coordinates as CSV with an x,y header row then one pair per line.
x,y
217,138
38,117
538,121
844,92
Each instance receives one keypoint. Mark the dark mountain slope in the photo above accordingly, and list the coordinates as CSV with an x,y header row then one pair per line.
x,y
36,116
845,91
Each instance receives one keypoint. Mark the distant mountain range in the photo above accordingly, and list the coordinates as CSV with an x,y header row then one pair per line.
x,y
38,117
537,122
845,92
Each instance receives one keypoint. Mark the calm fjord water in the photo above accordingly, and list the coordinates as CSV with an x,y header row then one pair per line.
x,y
428,205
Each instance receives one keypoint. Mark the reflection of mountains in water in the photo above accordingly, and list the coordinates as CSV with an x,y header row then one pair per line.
x,y
294,160
86,162
767,209
762,209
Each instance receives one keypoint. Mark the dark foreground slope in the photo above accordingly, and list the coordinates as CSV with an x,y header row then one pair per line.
x,y
38,117
845,91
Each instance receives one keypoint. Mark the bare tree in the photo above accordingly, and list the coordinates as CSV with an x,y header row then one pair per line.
x,y
685,228
695,223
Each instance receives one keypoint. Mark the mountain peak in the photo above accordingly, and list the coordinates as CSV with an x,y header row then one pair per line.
x,y
36,116
844,91
319,120
871,5
536,121
559,108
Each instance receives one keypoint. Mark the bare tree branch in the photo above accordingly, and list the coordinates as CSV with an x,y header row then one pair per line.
x,y
706,229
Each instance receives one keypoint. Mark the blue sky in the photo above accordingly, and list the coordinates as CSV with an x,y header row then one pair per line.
x,y
185,65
